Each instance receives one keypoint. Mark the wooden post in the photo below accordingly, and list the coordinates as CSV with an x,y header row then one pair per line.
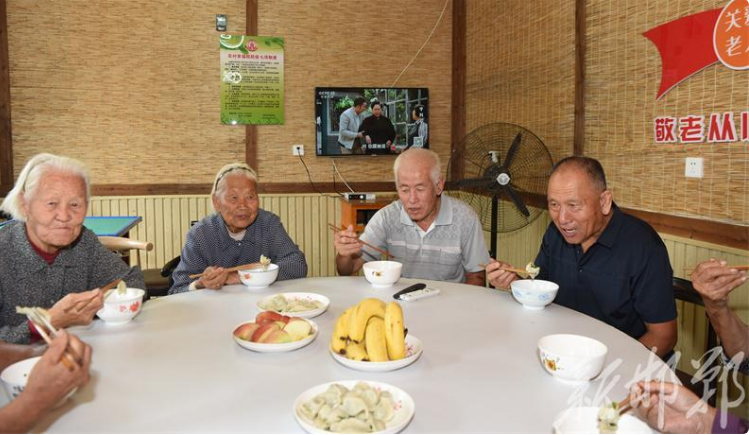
x,y
6,137
579,133
251,130
458,85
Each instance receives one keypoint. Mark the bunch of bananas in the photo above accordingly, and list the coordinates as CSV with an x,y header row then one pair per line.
x,y
370,331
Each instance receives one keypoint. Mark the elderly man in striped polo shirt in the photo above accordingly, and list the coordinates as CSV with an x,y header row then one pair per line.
x,y
434,236
238,233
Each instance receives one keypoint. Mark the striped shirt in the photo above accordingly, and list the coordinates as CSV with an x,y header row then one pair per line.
x,y
453,245
209,244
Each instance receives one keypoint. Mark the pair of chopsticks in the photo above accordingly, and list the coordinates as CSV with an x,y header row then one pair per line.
x,y
233,269
386,253
40,319
107,289
508,269
741,267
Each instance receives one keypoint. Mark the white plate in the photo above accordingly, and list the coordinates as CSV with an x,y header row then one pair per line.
x,y
404,406
414,348
305,296
276,347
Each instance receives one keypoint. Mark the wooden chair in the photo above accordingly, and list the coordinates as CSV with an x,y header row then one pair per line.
x,y
156,283
684,291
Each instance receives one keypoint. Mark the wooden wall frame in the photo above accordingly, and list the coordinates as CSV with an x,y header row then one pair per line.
x,y
6,136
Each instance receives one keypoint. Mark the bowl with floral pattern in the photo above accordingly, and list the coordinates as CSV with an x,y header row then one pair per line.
x,y
572,359
121,307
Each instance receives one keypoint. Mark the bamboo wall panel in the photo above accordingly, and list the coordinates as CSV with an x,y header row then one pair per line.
x,y
623,71
521,68
132,88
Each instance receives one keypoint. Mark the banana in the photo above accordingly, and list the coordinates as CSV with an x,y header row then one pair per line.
x,y
340,332
395,333
366,309
356,352
374,339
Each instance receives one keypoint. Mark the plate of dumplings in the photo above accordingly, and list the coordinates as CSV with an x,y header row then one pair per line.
x,y
354,407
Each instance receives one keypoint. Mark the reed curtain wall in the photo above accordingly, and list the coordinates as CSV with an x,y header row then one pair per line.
x,y
131,88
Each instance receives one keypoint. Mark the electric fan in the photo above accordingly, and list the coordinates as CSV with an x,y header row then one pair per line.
x,y
496,169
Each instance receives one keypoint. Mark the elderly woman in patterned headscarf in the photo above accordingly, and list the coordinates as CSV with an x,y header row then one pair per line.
x,y
238,233
48,258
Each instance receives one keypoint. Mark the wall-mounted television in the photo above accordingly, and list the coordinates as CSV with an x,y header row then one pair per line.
x,y
370,121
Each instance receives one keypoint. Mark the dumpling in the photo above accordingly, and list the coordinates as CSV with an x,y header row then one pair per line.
x,y
311,408
368,394
353,404
351,425
334,394
384,409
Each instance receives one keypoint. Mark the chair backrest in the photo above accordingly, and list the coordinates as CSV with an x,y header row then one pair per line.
x,y
684,291
123,245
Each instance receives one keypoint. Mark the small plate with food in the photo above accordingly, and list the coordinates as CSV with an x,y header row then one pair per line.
x,y
306,305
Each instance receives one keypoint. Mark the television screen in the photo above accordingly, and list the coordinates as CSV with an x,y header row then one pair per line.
x,y
370,121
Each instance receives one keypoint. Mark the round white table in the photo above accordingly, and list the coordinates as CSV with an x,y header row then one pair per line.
x,y
176,367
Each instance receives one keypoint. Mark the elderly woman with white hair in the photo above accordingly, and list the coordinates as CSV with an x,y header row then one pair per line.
x,y
238,233
49,259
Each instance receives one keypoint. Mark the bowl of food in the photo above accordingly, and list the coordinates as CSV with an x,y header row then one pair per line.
x,y
572,358
534,294
382,274
15,376
354,407
587,419
259,277
306,305
274,332
121,305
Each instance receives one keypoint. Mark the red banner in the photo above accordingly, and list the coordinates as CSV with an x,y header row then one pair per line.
x,y
685,46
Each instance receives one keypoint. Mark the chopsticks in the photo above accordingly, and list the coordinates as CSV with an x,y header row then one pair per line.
x,y
40,319
386,253
508,269
741,267
107,289
233,269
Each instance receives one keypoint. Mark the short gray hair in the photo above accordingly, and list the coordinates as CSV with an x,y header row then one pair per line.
x,y
420,154
28,180
232,168
590,166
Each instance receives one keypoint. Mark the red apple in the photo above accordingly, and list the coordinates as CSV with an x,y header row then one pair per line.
x,y
245,330
264,331
268,317
298,328
279,336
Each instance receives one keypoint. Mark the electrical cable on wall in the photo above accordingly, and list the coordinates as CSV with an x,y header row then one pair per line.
x,y
314,186
335,168
439,20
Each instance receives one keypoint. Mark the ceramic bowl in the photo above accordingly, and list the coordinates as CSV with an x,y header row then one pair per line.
x,y
259,278
572,358
15,376
382,274
121,308
534,294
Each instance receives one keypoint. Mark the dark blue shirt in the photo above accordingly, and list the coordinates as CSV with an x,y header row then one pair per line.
x,y
624,279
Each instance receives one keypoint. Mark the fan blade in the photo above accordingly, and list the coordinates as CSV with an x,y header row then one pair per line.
x,y
470,182
513,150
516,199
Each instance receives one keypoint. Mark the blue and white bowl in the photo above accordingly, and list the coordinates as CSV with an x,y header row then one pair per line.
x,y
534,294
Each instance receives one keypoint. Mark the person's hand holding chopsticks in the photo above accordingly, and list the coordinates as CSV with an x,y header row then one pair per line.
x,y
347,243
50,380
76,308
499,275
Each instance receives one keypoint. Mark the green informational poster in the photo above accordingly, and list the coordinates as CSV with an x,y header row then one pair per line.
x,y
251,79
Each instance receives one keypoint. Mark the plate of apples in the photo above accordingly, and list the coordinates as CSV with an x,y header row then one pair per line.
x,y
274,332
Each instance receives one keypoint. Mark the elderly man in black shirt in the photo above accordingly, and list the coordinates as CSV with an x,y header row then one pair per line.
x,y
608,265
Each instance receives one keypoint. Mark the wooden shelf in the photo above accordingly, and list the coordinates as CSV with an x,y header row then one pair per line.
x,y
358,212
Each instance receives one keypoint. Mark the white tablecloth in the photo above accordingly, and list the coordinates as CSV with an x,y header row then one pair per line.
x,y
176,368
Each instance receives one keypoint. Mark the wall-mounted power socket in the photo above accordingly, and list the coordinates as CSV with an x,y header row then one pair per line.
x,y
297,150
693,168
